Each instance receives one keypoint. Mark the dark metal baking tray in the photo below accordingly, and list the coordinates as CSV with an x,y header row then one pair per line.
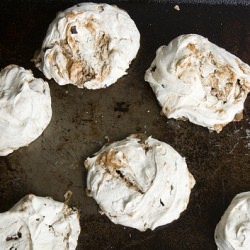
x,y
82,118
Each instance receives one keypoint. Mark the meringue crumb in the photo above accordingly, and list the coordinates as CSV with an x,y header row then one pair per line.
x,y
177,7
67,196
106,138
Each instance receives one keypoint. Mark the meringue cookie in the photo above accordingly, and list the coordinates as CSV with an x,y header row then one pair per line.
x,y
139,184
233,230
39,223
89,45
195,79
25,108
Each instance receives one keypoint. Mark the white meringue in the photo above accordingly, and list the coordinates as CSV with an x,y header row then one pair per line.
x,y
25,108
39,223
195,79
140,184
233,230
89,45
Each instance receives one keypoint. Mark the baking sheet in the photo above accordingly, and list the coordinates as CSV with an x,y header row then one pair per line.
x,y
82,118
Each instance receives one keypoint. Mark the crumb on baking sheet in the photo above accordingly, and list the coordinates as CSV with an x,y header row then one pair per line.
x,y
177,7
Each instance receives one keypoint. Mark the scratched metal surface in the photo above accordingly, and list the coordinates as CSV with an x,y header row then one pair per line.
x,y
81,119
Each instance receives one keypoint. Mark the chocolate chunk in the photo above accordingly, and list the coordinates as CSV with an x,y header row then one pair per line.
x,y
14,237
73,30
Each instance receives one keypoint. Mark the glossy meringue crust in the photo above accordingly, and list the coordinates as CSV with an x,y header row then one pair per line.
x,y
25,108
89,45
39,223
233,230
195,79
140,184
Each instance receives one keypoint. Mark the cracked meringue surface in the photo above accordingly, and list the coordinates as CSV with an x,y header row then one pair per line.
x,y
89,45
139,183
25,108
39,223
233,230
195,79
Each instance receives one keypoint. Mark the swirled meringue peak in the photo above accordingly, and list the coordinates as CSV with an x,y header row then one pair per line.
x,y
233,230
89,45
25,108
195,79
139,183
39,223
